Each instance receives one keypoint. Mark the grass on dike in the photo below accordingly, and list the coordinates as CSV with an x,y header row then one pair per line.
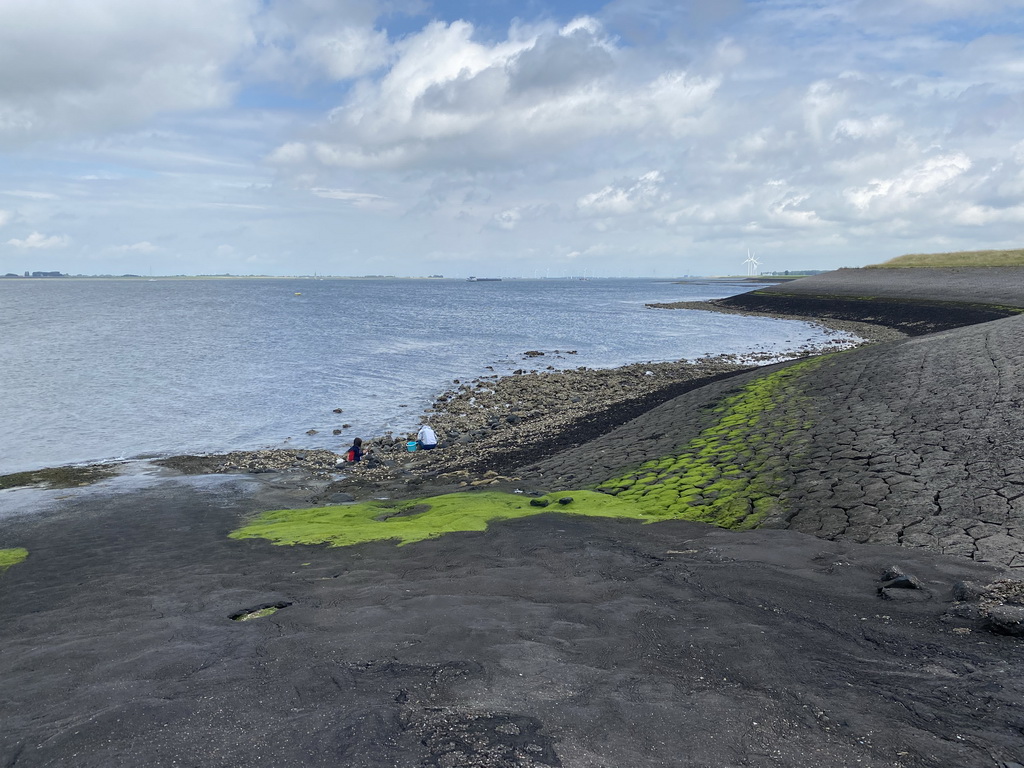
x,y
1005,258
703,482
11,556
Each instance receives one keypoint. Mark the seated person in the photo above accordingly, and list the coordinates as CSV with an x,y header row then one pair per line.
x,y
426,437
355,453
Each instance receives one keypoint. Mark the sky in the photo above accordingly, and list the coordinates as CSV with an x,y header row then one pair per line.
x,y
530,138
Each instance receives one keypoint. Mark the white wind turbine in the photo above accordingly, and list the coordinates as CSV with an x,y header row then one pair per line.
x,y
752,263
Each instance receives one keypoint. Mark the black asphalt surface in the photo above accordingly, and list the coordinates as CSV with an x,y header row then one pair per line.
x,y
997,286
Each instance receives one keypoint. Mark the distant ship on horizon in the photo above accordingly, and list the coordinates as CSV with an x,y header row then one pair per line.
x,y
483,279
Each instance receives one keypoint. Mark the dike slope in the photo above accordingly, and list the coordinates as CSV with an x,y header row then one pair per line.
x,y
917,442
914,301
994,286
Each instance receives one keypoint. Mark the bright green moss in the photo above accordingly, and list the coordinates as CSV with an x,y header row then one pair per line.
x,y
714,478
12,556
341,526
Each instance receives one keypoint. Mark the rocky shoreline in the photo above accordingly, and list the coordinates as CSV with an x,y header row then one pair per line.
x,y
489,426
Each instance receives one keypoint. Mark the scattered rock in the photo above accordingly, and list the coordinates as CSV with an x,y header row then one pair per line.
x,y
904,595
539,502
313,461
997,607
259,611
515,419
1005,620
565,500
968,590
902,582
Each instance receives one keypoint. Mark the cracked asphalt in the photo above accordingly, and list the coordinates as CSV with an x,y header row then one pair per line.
x,y
917,442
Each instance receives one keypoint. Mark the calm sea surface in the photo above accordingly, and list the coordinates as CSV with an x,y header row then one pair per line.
x,y
101,369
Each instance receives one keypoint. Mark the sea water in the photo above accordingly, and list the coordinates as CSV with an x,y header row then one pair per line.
x,y
100,369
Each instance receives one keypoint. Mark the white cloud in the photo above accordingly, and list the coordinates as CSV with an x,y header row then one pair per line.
x,y
879,126
899,192
984,215
293,152
451,100
625,197
68,66
509,219
530,214
29,194
5,216
790,211
357,199
822,103
306,132
348,52
40,241
302,40
140,247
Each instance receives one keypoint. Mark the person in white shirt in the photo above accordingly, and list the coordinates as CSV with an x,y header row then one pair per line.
x,y
427,438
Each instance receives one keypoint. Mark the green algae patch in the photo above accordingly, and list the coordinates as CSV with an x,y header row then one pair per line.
x,y
707,481
12,556
345,525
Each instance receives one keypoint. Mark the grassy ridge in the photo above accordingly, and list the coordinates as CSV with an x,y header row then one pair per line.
x,y
1008,258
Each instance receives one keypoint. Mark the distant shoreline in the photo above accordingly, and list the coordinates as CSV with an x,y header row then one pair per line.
x,y
433,278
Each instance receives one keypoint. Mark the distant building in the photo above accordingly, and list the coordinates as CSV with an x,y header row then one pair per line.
x,y
45,274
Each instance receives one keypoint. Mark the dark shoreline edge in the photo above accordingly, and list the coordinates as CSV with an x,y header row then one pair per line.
x,y
913,317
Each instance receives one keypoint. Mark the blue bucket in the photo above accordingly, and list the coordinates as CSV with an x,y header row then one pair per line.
x,y
411,446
